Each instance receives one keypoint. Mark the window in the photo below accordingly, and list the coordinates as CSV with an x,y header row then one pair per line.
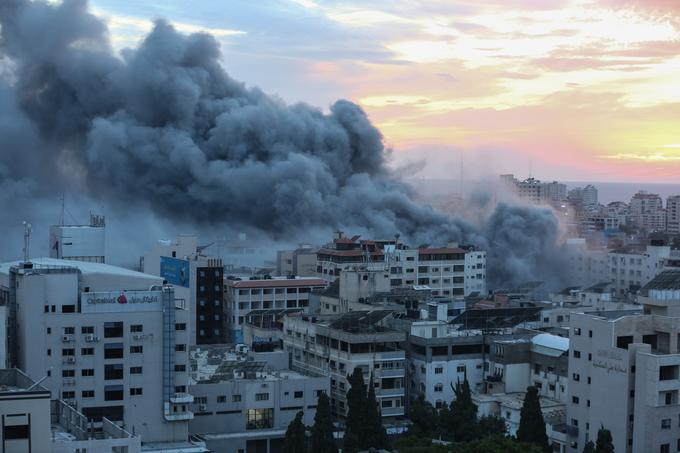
x,y
666,423
460,369
135,391
665,448
222,398
135,370
49,330
87,330
235,398
69,330
68,352
113,392
68,308
180,347
180,389
577,354
180,326
576,377
87,351
113,351
87,393
438,370
114,371
260,418
68,394
68,373
137,349
201,400
113,329
574,399
180,368
298,394
137,328
438,388
261,396
87,372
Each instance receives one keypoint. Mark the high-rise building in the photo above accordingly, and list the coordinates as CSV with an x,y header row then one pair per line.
x,y
673,214
647,212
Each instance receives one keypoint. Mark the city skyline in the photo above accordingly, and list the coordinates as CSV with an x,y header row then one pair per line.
x,y
579,90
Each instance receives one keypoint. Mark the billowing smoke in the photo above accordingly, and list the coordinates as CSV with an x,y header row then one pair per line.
x,y
163,126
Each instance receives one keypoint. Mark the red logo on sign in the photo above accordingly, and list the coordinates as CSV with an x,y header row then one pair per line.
x,y
122,299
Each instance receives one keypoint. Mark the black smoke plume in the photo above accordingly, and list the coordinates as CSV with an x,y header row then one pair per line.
x,y
163,126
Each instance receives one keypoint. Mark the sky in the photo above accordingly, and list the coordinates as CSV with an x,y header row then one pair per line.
x,y
575,90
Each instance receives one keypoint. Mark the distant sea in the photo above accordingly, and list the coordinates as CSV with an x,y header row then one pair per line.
x,y
607,191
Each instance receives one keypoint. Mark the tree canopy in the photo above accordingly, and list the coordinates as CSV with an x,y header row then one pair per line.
x,y
532,425
322,440
295,440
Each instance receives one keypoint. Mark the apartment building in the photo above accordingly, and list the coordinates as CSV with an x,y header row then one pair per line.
x,y
624,372
632,268
334,345
647,212
440,356
673,214
448,271
534,191
244,296
109,341
244,403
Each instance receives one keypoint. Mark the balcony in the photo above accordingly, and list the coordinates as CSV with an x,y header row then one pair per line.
x,y
390,392
182,398
179,416
392,411
391,372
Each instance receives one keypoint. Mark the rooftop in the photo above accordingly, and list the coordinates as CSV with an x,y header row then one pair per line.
x,y
14,381
666,280
84,268
277,283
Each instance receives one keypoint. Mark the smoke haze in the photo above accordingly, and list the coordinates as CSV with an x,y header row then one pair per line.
x,y
162,135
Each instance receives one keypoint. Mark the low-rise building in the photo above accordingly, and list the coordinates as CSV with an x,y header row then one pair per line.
x,y
242,403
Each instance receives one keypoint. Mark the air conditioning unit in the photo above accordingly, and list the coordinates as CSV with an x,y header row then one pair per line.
x,y
90,338
202,407
66,338
138,336
70,359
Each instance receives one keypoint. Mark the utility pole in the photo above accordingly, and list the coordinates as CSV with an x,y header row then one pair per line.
x,y
27,240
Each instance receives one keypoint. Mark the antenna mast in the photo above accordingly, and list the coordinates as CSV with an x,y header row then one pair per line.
x,y
27,240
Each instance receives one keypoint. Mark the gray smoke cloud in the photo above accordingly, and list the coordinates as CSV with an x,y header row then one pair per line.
x,y
163,127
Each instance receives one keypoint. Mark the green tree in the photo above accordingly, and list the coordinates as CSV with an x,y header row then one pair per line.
x,y
490,426
459,423
322,431
589,448
495,445
604,442
423,416
295,441
355,426
376,436
532,425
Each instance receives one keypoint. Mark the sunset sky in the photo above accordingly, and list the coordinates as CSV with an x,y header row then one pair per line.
x,y
571,89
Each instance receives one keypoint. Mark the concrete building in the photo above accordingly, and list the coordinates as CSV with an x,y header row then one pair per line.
x,y
301,261
334,345
448,271
534,191
182,247
440,356
245,404
79,242
109,341
631,268
24,414
244,296
624,372
585,266
647,212
673,214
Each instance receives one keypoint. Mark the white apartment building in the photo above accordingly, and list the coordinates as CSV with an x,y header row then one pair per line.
x,y
585,266
673,214
449,271
624,372
631,269
79,242
244,296
182,247
246,405
647,212
439,357
109,341
332,345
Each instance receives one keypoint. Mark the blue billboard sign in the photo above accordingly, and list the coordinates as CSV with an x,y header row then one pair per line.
x,y
175,271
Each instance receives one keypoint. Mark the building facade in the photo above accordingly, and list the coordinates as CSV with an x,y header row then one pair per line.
x,y
79,242
108,341
673,214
